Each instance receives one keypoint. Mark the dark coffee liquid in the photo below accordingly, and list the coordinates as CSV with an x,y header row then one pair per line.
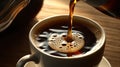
x,y
89,37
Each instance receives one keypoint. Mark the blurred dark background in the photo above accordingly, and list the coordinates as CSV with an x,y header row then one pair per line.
x,y
14,42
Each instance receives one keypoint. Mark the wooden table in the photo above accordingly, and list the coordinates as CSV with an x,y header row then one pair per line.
x,y
15,44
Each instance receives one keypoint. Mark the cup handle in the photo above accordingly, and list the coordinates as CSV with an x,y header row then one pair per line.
x,y
26,59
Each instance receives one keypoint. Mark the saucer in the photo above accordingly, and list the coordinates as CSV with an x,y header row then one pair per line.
x,y
104,63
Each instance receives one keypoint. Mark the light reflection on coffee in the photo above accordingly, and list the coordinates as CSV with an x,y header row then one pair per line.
x,y
89,37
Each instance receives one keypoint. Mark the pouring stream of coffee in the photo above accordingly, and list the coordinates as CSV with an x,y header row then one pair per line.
x,y
70,43
71,11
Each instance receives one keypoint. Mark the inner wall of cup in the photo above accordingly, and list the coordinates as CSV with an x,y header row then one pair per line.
x,y
49,22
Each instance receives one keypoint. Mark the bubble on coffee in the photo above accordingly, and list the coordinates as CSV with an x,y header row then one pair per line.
x,y
58,42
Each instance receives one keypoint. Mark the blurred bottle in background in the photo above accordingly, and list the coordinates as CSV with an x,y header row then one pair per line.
x,y
16,14
27,14
109,7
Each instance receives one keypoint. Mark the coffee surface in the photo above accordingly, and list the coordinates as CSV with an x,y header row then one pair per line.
x,y
43,39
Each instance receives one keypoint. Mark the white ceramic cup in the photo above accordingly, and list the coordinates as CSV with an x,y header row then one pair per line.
x,y
43,59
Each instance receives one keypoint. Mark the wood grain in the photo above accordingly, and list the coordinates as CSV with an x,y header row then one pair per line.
x,y
14,42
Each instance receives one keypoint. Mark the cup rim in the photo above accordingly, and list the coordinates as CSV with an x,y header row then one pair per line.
x,y
94,49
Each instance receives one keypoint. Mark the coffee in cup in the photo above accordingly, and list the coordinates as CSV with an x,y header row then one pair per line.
x,y
84,29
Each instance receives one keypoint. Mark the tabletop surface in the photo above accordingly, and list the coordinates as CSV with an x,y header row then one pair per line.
x,y
14,42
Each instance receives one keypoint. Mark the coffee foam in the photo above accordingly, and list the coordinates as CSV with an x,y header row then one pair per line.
x,y
57,42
